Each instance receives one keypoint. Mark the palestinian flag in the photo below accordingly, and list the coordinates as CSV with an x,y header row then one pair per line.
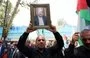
x,y
83,10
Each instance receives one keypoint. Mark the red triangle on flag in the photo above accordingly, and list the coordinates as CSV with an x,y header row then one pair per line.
x,y
82,4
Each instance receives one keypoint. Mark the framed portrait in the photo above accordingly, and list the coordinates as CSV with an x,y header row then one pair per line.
x,y
40,16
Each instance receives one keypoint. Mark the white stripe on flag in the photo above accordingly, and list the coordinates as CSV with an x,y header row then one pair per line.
x,y
81,23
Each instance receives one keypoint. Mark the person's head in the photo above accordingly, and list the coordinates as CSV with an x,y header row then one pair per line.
x,y
40,11
85,36
40,42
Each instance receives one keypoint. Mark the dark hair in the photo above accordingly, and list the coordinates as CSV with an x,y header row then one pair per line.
x,y
84,31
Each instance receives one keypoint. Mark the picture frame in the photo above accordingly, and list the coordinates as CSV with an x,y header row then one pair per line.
x,y
40,16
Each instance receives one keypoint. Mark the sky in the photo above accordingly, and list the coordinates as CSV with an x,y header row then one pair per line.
x,y
59,9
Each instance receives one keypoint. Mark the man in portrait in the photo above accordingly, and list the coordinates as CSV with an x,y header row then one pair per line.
x,y
40,19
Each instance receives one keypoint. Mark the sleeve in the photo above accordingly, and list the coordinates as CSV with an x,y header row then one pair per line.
x,y
69,52
59,43
21,45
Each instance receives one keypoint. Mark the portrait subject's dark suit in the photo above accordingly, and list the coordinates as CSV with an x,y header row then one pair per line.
x,y
36,20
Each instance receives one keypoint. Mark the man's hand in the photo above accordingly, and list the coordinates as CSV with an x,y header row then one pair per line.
x,y
30,29
52,28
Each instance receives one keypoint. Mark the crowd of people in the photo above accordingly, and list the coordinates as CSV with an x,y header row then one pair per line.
x,y
23,48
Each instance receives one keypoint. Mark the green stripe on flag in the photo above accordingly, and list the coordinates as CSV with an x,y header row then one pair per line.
x,y
87,22
85,14
80,41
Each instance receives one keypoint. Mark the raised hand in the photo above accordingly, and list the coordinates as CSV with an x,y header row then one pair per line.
x,y
52,28
30,29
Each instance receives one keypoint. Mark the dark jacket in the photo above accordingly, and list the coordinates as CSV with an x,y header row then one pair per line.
x,y
35,53
69,52
79,52
82,52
